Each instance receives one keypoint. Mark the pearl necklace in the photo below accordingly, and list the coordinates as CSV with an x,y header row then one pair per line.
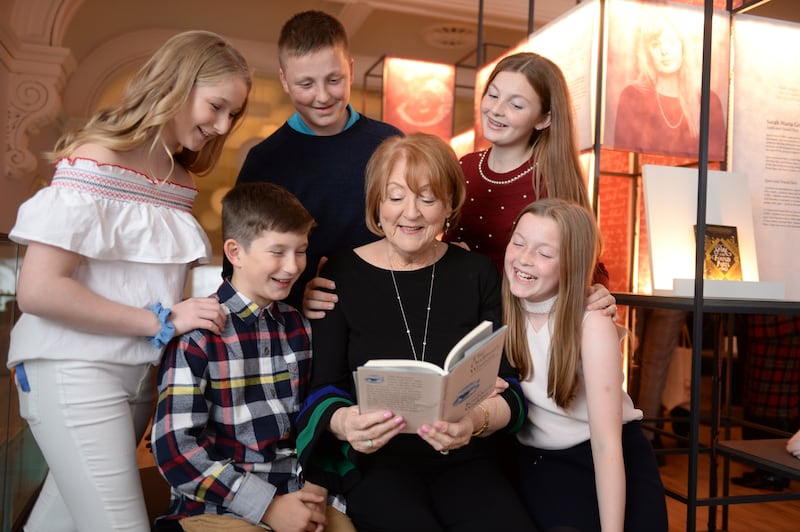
x,y
507,181
403,312
541,307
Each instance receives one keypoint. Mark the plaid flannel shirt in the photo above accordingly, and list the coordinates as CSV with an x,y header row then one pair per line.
x,y
224,430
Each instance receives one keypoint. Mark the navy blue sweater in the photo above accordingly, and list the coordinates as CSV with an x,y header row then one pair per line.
x,y
326,173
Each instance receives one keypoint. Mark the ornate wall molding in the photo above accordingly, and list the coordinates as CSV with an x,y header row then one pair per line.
x,y
36,77
37,71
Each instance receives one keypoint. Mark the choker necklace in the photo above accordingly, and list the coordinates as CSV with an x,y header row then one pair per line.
x,y
541,307
507,181
403,312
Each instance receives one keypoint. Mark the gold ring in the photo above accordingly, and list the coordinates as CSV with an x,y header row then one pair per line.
x,y
445,451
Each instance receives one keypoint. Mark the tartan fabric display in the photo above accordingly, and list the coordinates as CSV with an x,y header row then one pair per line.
x,y
771,344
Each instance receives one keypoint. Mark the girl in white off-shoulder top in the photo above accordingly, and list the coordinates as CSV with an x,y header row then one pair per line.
x,y
109,244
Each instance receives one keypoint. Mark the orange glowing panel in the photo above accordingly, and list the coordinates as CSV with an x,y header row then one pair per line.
x,y
419,96
463,143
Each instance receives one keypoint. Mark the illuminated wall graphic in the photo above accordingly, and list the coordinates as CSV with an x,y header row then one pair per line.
x,y
419,96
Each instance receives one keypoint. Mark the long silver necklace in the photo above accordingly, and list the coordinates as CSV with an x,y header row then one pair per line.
x,y
507,181
403,312
664,115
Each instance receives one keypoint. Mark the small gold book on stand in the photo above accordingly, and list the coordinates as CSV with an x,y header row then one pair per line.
x,y
721,248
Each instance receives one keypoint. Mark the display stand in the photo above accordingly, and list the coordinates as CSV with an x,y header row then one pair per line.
x,y
699,302
766,453
763,454
695,295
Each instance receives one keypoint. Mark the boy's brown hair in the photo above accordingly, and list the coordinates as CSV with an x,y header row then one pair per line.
x,y
310,31
249,209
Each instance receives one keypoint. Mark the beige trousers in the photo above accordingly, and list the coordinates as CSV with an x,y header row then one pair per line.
x,y
337,522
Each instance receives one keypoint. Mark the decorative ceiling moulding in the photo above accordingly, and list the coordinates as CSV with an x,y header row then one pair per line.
x,y
104,64
43,21
128,51
509,14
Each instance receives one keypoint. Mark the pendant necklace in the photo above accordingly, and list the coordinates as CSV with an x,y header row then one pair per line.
x,y
664,115
403,312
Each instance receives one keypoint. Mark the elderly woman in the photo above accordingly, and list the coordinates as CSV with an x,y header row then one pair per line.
x,y
408,295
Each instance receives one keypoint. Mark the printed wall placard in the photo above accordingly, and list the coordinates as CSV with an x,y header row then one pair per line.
x,y
766,140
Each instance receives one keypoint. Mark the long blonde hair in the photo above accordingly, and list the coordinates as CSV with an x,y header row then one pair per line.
x,y
579,250
155,95
554,147
651,26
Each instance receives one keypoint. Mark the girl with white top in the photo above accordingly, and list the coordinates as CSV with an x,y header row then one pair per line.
x,y
110,241
585,463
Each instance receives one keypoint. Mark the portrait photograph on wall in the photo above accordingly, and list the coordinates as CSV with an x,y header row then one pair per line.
x,y
419,96
654,75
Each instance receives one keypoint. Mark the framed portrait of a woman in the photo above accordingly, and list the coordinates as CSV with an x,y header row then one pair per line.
x,y
654,73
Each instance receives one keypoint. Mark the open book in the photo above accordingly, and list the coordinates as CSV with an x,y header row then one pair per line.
x,y
423,392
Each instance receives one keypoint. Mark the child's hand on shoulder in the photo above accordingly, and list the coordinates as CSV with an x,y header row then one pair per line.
x,y
600,298
197,313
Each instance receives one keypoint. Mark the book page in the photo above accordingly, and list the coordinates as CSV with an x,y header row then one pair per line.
x,y
404,364
474,379
416,389
481,331
414,395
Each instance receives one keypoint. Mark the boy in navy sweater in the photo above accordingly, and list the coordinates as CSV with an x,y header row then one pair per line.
x,y
321,152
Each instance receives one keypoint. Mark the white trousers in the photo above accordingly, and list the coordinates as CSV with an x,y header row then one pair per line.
x,y
87,418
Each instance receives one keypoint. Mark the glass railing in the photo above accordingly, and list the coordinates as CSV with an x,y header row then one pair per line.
x,y
22,468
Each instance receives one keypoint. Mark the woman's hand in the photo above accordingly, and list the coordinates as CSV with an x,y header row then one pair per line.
x,y
600,298
366,432
490,415
444,436
500,386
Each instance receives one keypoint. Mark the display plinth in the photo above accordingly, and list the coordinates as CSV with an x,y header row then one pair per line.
x,y
727,289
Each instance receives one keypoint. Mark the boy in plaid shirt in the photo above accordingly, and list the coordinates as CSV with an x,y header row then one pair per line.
x,y
224,433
